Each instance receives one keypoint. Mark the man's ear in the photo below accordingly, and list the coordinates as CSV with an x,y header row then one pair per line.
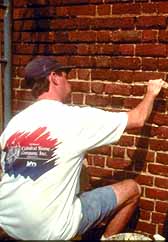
x,y
53,78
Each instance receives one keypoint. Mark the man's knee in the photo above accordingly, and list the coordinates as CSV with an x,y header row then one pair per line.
x,y
136,188
127,190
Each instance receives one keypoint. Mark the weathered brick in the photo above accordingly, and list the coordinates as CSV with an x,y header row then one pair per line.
x,y
145,215
104,9
161,182
99,172
145,180
140,155
77,98
146,204
149,36
156,193
126,36
155,50
95,100
161,206
158,217
118,89
126,8
103,150
162,158
82,36
162,7
154,22
113,23
118,152
80,86
97,87
150,64
159,145
117,163
99,161
148,8
163,36
147,227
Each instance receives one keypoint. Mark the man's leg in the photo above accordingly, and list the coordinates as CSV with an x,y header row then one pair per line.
x,y
127,194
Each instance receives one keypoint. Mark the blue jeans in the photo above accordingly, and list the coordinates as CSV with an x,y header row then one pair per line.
x,y
97,205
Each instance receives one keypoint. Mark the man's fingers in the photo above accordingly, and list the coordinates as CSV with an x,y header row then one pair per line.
x,y
165,85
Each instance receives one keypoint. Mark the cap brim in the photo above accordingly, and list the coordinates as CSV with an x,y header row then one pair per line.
x,y
65,68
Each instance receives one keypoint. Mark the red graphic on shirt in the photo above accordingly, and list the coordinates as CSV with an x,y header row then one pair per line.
x,y
37,137
30,153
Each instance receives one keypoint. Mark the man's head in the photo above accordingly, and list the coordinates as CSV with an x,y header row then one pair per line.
x,y
38,73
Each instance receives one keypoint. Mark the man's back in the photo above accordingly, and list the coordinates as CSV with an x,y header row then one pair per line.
x,y
43,149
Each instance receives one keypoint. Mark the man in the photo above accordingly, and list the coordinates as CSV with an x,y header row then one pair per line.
x,y
42,151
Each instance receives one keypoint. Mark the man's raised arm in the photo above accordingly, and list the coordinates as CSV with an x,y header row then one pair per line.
x,y
138,115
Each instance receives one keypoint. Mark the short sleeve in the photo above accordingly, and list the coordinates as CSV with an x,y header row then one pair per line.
x,y
99,127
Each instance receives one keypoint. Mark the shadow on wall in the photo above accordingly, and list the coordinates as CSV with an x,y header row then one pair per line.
x,y
165,228
41,19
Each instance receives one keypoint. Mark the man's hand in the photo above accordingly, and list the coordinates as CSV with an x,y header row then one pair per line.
x,y
138,116
154,86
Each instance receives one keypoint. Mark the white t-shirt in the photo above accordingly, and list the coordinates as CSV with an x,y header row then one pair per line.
x,y
42,152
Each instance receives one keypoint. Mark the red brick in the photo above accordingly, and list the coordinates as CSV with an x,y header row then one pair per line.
x,y
162,8
103,9
79,86
147,204
146,227
84,74
97,87
94,100
157,194
155,22
126,140
118,152
158,218
162,158
159,118
151,50
145,180
162,64
139,155
161,182
117,163
103,36
149,36
162,132
160,145
117,102
82,36
99,172
131,102
149,64
125,63
126,36
103,150
22,95
99,161
126,8
163,36
113,23
101,62
145,215
148,8
161,206
101,74
77,98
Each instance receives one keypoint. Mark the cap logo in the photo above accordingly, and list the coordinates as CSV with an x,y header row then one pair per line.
x,y
44,68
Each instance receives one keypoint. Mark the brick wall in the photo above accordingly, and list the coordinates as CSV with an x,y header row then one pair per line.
x,y
117,46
